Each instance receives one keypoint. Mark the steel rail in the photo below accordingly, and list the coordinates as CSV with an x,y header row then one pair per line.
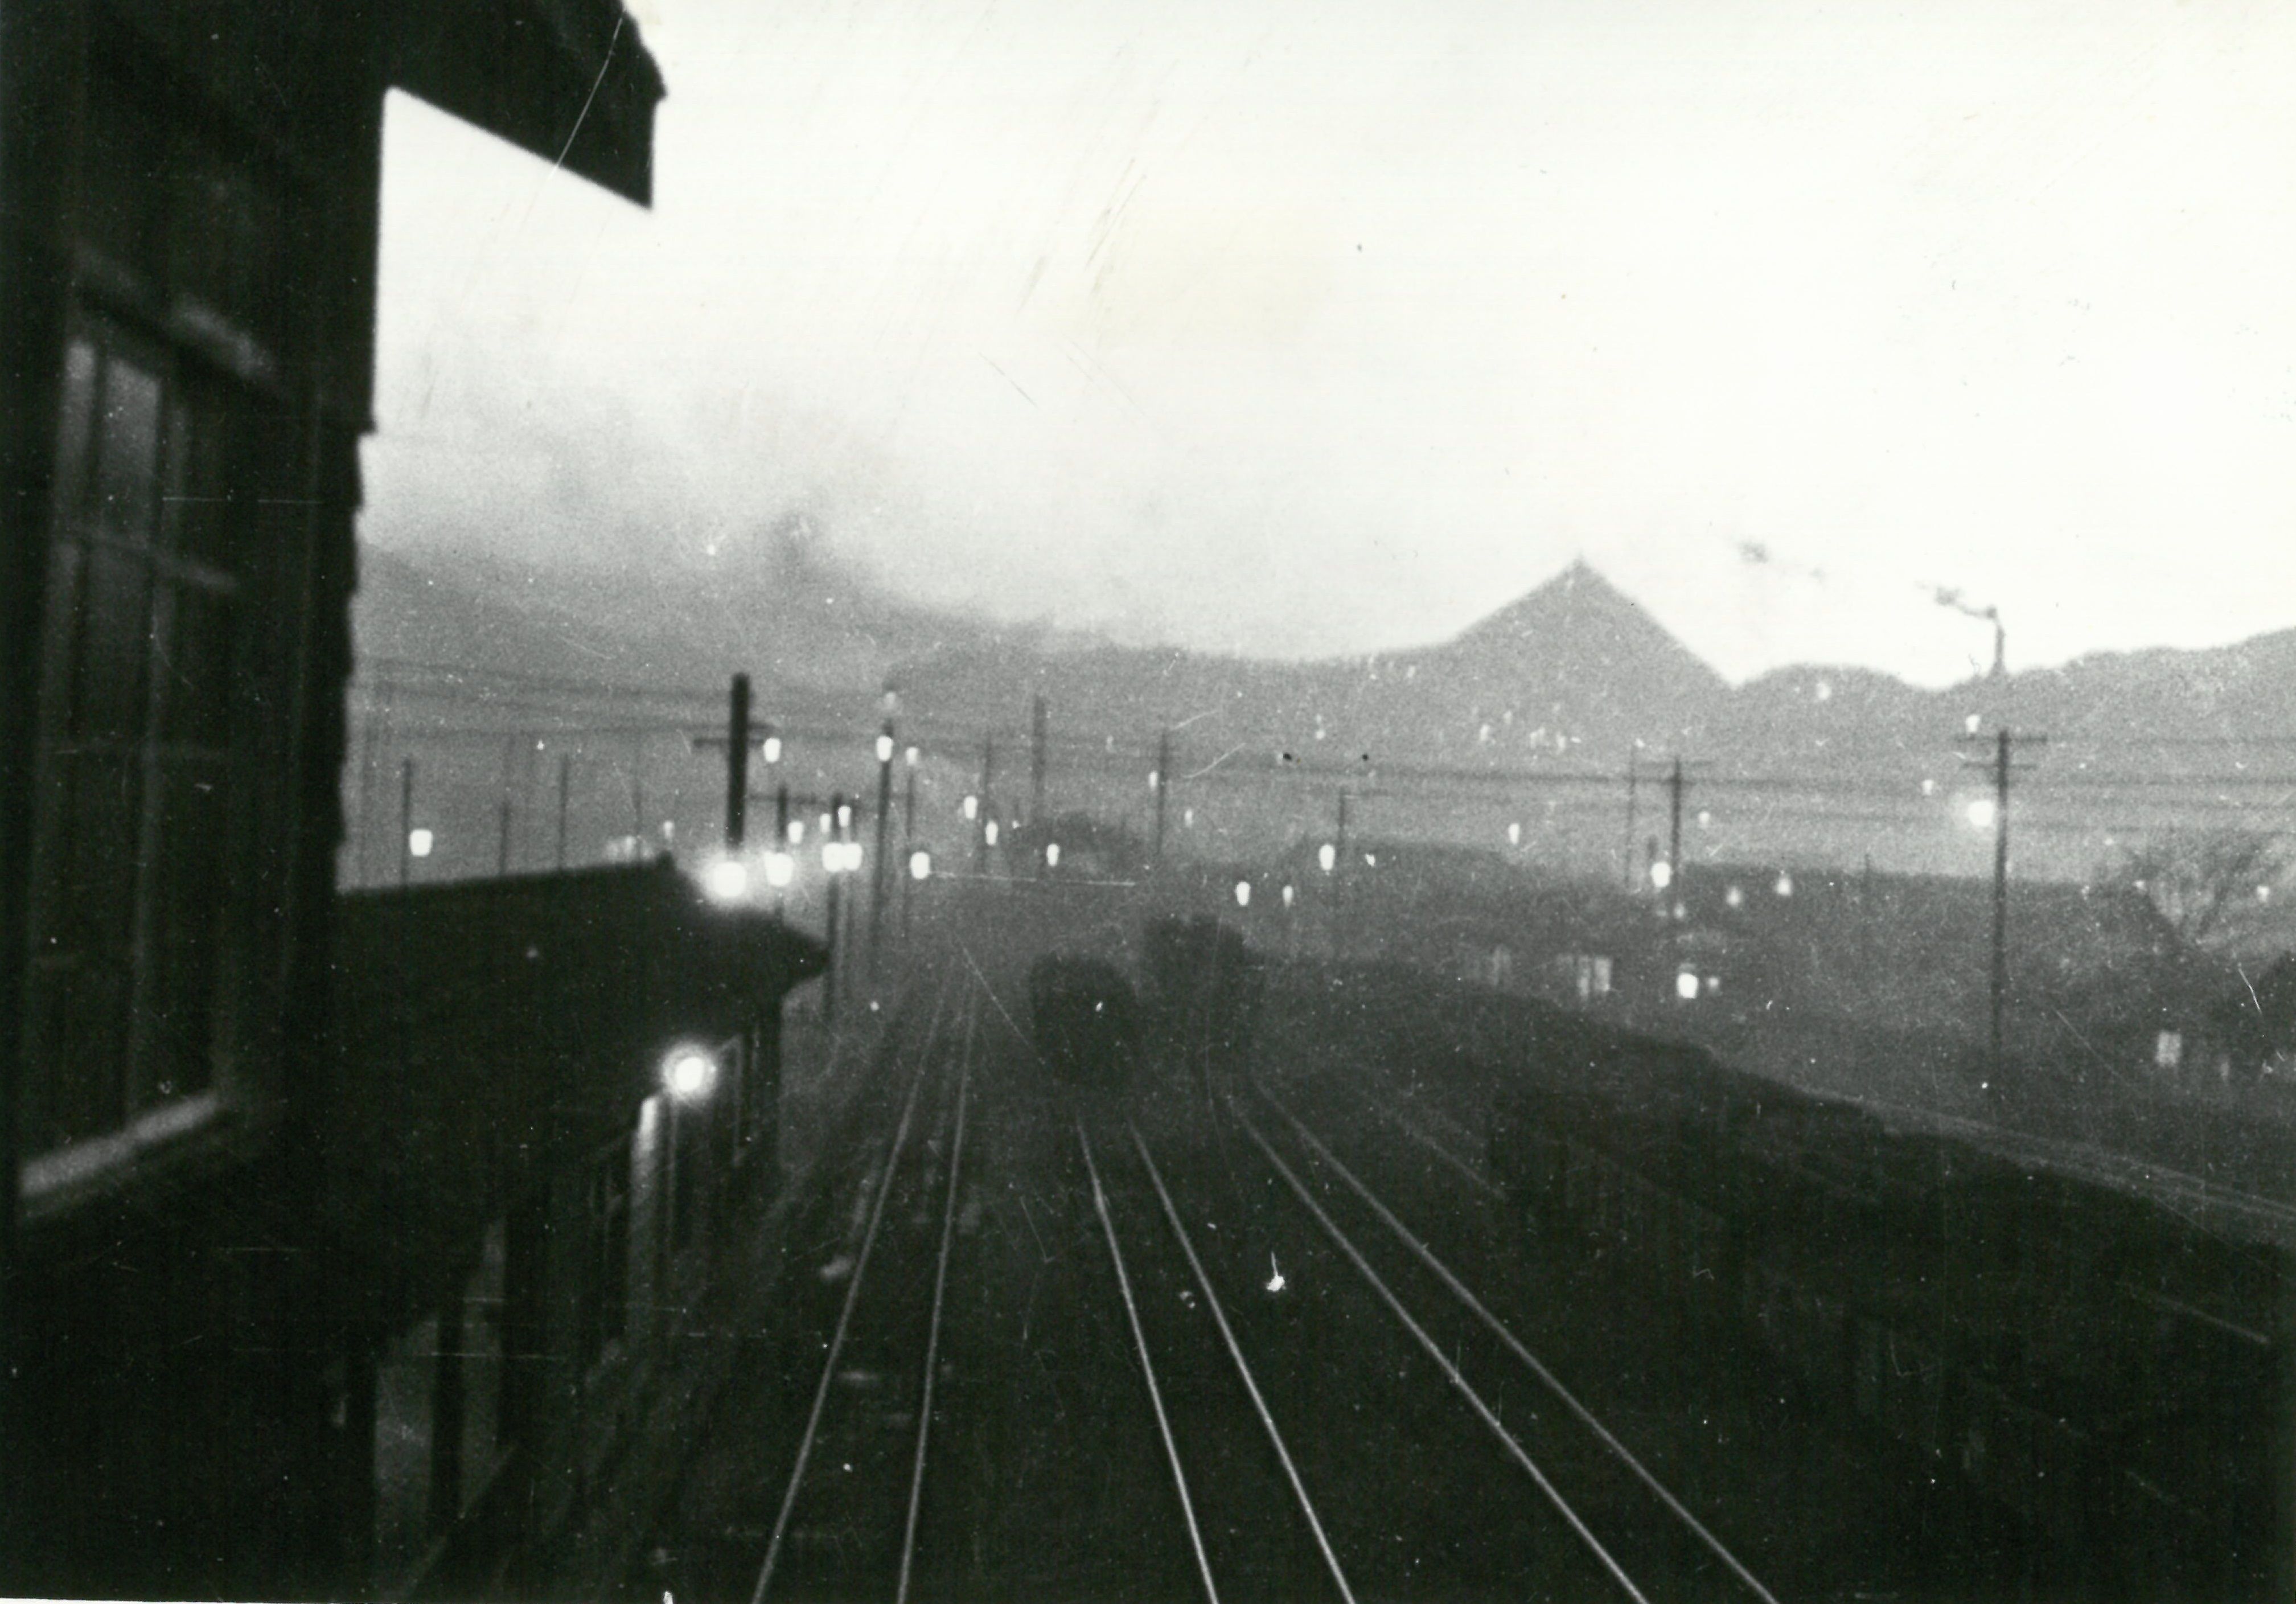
x,y
1498,1329
1466,1171
932,1334
1235,1353
1148,1370
1483,1411
844,1313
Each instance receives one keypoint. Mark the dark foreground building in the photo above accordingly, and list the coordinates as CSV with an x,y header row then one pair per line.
x,y
188,203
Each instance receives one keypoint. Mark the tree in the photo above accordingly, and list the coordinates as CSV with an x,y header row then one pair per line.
x,y
2212,885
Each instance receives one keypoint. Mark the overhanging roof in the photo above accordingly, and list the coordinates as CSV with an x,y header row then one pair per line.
x,y
568,80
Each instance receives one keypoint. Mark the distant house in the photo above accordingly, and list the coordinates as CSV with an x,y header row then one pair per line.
x,y
188,206
1793,956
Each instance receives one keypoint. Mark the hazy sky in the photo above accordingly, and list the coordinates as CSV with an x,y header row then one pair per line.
x,y
1317,328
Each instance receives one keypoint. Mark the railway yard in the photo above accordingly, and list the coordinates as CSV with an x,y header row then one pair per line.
x,y
1260,1325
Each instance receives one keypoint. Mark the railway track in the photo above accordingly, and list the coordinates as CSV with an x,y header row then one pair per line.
x,y
1038,1350
848,1512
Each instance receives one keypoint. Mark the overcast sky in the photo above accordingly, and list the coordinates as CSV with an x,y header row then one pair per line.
x,y
1319,327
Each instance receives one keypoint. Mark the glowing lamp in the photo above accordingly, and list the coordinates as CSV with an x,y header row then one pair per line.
x,y
1982,813
972,807
1686,986
772,749
991,833
781,869
1052,854
1288,894
1243,893
884,749
689,1073
725,880
920,865
419,844
1662,874
1328,856
911,757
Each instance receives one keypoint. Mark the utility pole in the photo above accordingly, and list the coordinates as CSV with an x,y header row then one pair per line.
x,y
884,843
565,784
1163,782
837,817
2004,745
1634,773
405,820
1674,830
1039,730
737,763
985,808
502,809
908,845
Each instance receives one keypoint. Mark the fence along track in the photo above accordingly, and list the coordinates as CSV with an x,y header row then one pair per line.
x,y
1513,1344
1148,1370
852,1296
1243,1370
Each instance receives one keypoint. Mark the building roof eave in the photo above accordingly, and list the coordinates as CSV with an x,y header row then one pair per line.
x,y
569,81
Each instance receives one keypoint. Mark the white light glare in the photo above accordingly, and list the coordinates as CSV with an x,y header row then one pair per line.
x,y
884,749
1514,835
991,833
1052,854
689,1073
911,757
920,865
1982,813
1288,894
796,831
725,879
1785,887
1328,856
1662,874
772,749
1686,986
972,807
1243,893
419,842
781,869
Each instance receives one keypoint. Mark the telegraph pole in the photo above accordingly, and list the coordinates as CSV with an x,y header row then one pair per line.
x,y
837,817
405,820
1634,773
885,745
2004,745
737,763
1039,730
984,809
565,784
1673,829
908,844
1163,786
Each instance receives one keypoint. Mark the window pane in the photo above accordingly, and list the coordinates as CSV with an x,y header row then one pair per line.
x,y
99,843
127,453
115,640
211,513
76,417
225,240
196,669
187,891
